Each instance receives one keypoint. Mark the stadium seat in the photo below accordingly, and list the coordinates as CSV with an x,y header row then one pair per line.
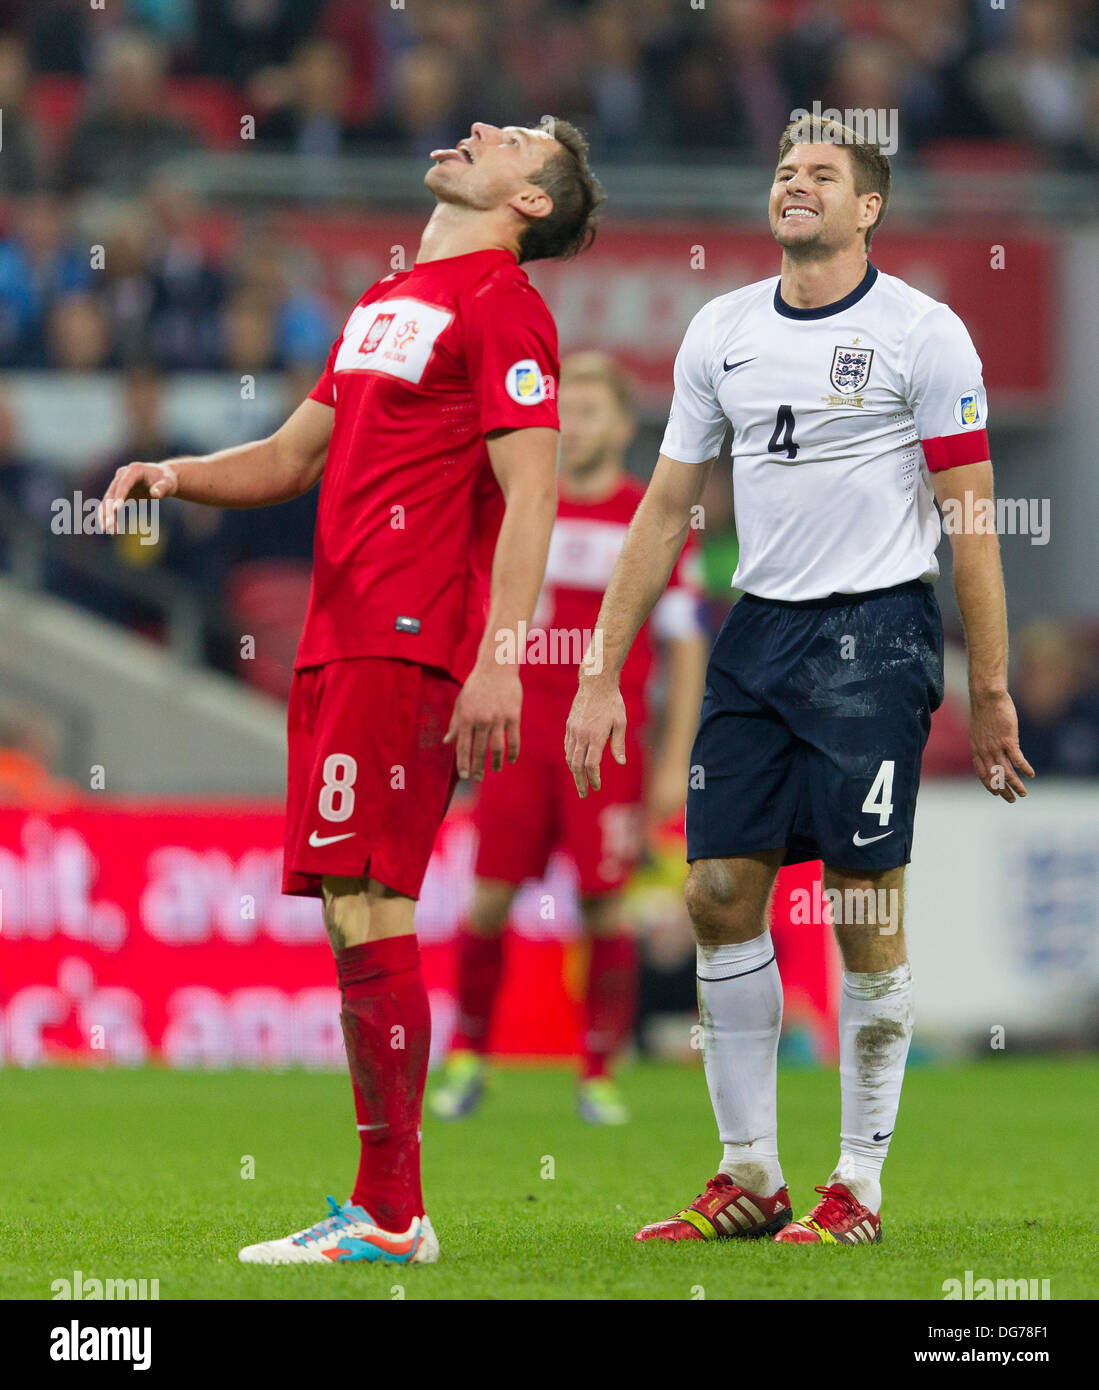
x,y
212,107
53,104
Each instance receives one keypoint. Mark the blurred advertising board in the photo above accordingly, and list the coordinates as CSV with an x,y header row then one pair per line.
x,y
137,932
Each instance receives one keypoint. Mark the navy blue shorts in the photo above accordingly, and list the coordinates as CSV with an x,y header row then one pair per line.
x,y
813,727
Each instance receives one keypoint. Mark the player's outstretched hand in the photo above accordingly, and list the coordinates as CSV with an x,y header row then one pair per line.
x,y
598,713
134,482
486,720
994,739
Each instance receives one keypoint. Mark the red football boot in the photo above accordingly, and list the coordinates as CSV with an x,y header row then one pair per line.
x,y
723,1212
839,1219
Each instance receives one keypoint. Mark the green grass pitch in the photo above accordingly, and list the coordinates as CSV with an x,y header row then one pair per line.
x,y
137,1174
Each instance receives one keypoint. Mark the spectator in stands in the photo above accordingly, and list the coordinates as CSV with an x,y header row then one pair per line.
x,y
172,21
249,334
1057,699
128,133
465,32
422,112
728,89
1041,87
187,286
310,119
354,28
38,263
237,38
750,49
614,79
78,334
281,276
125,287
28,489
546,52
935,46
865,73
60,33
21,163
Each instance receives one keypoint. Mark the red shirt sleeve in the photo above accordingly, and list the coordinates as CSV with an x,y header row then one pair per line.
x,y
511,357
325,389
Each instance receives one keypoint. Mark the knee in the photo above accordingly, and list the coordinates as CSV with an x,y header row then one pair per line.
x,y
720,908
346,911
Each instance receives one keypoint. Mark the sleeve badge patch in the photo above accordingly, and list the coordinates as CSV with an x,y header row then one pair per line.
x,y
523,382
967,410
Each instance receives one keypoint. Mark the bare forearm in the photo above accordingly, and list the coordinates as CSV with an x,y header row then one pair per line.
x,y
686,680
247,475
979,585
518,568
641,575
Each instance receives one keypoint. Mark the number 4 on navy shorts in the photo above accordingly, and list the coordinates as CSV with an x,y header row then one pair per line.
x,y
813,727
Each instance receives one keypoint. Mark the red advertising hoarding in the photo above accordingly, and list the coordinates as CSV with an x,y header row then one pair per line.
x,y
134,932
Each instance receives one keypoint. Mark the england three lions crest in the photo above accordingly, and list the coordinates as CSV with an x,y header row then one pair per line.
x,y
851,369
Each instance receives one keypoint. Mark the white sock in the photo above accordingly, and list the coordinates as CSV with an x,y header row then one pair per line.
x,y
740,1005
875,1030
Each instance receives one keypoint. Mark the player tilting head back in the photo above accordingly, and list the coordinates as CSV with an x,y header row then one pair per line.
x,y
434,430
855,402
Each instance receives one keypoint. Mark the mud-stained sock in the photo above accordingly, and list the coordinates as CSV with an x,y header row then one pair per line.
x,y
875,1027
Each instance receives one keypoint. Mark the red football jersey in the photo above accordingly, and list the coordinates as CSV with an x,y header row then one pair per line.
x,y
587,538
430,360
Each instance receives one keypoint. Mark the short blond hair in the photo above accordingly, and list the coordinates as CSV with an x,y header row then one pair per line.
x,y
601,367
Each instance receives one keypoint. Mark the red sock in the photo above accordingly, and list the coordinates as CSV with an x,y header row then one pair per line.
x,y
387,1033
480,964
610,1002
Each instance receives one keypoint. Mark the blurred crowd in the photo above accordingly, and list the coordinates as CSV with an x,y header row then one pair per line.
x,y
96,102
716,78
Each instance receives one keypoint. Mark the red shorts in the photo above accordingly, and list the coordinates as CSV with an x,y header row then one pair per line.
x,y
369,777
531,808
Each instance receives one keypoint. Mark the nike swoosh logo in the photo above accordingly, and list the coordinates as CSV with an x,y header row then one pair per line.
x,y
879,1137
730,366
857,839
318,841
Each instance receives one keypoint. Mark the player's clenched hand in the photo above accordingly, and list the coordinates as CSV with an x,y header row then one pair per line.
x,y
136,481
598,713
994,739
486,719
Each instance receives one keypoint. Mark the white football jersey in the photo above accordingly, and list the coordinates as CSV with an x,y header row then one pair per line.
x,y
838,414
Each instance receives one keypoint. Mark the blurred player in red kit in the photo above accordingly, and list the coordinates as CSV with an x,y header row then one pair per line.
x,y
523,815
434,430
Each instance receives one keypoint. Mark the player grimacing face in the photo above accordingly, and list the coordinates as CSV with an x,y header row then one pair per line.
x,y
593,427
492,166
814,209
